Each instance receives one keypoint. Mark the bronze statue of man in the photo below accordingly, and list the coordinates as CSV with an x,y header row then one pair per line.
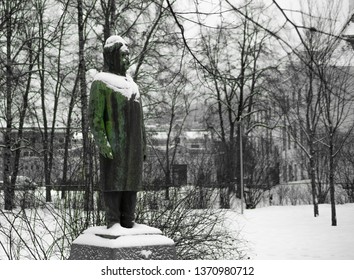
x,y
116,120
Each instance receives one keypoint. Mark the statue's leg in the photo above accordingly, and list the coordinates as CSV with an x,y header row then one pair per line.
x,y
128,209
112,202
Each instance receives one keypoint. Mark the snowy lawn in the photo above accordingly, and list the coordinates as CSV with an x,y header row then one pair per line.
x,y
292,233
276,232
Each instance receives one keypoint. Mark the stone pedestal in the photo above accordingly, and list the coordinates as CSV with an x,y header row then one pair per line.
x,y
117,243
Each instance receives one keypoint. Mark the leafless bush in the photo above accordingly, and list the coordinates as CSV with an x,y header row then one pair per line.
x,y
281,193
46,231
301,194
197,233
43,232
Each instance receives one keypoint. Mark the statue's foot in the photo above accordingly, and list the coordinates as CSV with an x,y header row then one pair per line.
x,y
111,224
127,220
127,223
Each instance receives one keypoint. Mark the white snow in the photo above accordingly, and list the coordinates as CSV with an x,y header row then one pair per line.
x,y
124,241
139,235
293,233
118,230
116,39
272,233
349,31
162,135
123,84
196,134
146,253
90,75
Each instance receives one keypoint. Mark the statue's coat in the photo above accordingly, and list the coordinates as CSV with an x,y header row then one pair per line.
x,y
118,120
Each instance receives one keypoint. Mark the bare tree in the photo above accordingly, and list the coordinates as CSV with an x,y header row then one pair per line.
x,y
261,165
319,55
300,111
20,142
344,171
19,62
233,79
86,144
337,107
175,105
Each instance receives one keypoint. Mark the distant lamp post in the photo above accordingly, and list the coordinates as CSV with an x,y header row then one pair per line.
x,y
241,166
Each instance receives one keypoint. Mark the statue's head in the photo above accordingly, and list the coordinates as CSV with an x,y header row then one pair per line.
x,y
116,55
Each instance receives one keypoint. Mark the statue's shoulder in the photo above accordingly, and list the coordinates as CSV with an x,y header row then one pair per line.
x,y
105,78
98,83
120,84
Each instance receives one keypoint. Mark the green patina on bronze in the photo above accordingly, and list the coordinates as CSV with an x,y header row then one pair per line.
x,y
117,125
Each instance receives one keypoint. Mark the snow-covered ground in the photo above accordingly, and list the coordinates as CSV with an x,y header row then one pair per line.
x,y
269,233
292,233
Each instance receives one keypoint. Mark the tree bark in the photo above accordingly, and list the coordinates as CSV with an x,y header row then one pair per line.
x,y
68,135
313,182
88,204
331,181
45,134
7,154
15,166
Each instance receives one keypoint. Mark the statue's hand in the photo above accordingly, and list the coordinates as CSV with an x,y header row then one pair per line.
x,y
106,151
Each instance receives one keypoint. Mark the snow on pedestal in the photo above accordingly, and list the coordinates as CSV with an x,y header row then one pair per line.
x,y
117,243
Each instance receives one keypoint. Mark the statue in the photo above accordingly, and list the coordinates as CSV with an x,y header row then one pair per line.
x,y
116,120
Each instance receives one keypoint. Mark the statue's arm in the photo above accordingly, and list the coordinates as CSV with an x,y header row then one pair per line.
x,y
97,108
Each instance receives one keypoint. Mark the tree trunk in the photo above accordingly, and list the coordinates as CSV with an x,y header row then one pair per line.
x,y
313,183
68,136
45,138
331,182
168,169
15,166
109,10
88,204
8,187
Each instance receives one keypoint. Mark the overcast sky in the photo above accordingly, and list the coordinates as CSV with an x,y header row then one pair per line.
x,y
292,8
212,6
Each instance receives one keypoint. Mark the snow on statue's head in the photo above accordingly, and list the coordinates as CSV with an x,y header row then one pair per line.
x,y
116,55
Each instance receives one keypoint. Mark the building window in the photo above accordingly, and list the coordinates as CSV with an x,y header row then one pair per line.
x,y
302,171
285,173
295,172
291,173
179,174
